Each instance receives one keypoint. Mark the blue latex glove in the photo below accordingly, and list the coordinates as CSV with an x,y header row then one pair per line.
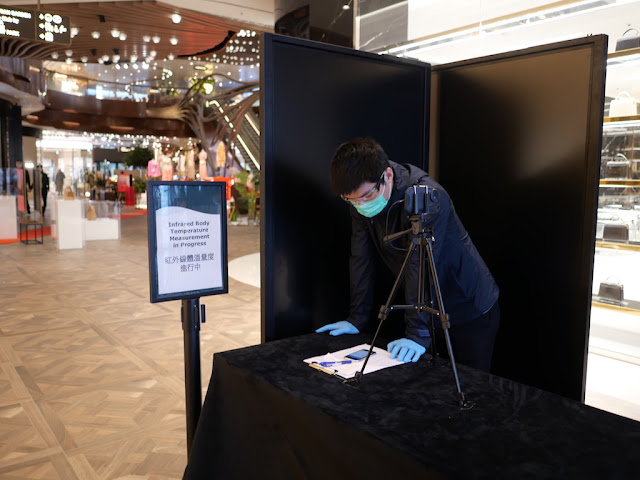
x,y
406,350
338,328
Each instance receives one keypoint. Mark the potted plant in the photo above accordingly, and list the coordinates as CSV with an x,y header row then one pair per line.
x,y
247,195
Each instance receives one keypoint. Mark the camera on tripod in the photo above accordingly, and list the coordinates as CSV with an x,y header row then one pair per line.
x,y
421,200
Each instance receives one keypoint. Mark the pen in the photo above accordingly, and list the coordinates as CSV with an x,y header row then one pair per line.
x,y
329,364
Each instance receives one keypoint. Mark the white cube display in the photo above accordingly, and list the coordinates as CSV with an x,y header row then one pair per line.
x,y
70,224
8,218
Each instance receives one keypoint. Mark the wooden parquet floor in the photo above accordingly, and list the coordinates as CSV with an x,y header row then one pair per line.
x,y
91,373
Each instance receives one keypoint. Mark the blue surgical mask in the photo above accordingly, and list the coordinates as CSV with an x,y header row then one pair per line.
x,y
373,207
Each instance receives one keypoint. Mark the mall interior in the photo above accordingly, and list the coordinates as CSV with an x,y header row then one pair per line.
x,y
98,98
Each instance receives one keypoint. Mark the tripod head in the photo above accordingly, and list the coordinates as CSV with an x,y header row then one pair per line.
x,y
420,202
418,228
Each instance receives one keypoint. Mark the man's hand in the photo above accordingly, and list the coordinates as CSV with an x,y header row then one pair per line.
x,y
338,328
406,350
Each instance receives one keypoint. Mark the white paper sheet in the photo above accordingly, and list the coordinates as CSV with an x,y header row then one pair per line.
x,y
382,359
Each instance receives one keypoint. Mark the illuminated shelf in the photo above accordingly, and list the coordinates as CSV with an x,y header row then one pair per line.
x,y
624,53
630,118
629,182
618,246
619,308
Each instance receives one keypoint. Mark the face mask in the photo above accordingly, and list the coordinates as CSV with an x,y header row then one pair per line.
x,y
373,207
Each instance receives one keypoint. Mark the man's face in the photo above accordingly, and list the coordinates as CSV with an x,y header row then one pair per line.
x,y
370,190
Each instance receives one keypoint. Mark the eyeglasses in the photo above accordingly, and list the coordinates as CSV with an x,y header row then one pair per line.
x,y
367,196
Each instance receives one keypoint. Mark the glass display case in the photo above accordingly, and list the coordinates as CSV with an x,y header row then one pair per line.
x,y
617,256
101,220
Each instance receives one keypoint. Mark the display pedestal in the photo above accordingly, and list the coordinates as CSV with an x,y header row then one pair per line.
x,y
70,224
8,218
102,229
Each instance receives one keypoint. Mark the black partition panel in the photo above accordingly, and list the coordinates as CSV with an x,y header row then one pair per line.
x,y
518,148
314,97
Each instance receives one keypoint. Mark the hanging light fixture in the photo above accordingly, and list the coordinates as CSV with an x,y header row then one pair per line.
x,y
156,39
115,33
146,38
173,41
176,18
95,34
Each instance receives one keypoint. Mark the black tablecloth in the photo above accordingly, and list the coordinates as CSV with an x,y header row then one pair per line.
x,y
267,415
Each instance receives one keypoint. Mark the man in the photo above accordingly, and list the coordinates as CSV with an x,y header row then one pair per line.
x,y
362,174
59,182
44,178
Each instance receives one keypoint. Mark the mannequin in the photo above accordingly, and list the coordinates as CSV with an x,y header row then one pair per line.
x,y
153,168
202,162
191,165
182,165
167,166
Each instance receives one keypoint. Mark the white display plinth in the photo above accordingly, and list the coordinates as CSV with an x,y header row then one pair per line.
x,y
102,229
70,224
8,218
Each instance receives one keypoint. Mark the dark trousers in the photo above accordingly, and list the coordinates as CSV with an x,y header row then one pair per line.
x,y
473,341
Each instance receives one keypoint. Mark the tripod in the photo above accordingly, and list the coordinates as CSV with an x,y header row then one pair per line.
x,y
423,242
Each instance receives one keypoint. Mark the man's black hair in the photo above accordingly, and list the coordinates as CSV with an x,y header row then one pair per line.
x,y
356,162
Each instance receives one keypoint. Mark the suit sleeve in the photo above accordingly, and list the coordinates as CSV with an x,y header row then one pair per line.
x,y
361,272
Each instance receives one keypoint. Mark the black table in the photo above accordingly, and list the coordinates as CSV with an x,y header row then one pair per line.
x,y
267,415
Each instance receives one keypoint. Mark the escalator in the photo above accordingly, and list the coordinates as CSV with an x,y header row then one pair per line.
x,y
248,143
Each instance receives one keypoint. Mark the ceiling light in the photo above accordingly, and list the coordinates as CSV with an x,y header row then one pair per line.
x,y
175,18
74,31
173,41
101,61
345,7
84,59
54,55
122,36
95,34
115,58
156,39
153,53
69,61
146,38
170,56
105,58
115,33
68,53
200,67
133,58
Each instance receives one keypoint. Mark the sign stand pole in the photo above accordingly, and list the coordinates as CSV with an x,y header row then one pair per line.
x,y
192,377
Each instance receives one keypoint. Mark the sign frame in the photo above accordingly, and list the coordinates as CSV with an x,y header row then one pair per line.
x,y
156,200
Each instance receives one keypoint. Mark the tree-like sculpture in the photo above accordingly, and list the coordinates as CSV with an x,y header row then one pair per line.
x,y
214,115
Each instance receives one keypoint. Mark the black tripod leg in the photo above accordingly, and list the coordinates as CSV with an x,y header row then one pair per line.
x,y
384,313
445,324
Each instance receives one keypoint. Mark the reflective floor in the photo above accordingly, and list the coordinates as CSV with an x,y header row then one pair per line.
x,y
91,373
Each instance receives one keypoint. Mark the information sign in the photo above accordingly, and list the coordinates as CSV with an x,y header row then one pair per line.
x,y
54,28
35,25
187,239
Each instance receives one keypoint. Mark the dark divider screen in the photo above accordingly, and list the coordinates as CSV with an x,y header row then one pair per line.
x,y
314,97
518,149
